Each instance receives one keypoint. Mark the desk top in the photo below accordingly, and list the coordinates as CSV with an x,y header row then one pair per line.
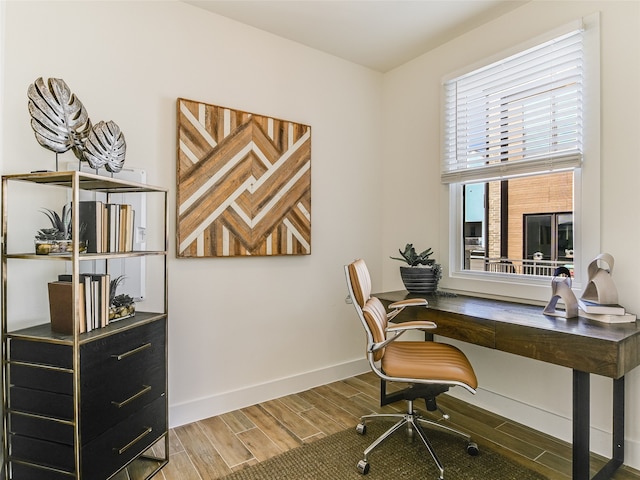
x,y
610,350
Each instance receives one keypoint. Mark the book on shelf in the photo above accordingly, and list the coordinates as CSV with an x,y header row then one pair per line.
x,y
600,308
61,307
125,237
108,227
88,303
91,216
105,228
113,226
609,318
99,285
94,301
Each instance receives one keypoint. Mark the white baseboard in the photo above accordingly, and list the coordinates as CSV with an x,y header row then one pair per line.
x,y
188,412
551,423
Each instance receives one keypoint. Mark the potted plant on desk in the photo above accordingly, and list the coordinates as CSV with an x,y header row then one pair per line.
x,y
422,273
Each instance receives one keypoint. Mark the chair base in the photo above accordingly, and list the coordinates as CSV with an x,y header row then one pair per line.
x,y
413,421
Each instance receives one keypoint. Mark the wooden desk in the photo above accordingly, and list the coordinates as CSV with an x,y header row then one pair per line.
x,y
583,345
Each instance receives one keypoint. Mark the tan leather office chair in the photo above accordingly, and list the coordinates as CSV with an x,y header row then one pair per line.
x,y
428,367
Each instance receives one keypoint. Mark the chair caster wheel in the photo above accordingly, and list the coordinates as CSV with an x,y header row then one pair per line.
x,y
361,428
363,467
472,449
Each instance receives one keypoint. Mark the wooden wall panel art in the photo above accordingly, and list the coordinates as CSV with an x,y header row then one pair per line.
x,y
243,183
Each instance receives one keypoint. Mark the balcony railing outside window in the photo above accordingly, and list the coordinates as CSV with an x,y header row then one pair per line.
x,y
520,266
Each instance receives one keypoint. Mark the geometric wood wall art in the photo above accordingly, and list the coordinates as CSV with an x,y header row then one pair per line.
x,y
244,183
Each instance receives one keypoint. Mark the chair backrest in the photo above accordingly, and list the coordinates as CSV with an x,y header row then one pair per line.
x,y
360,281
371,312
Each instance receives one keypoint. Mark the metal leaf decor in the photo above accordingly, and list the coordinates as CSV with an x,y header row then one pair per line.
x,y
105,147
58,118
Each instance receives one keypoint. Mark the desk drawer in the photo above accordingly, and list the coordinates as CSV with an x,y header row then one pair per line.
x,y
120,444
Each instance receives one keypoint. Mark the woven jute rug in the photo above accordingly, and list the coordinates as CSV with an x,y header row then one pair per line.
x,y
335,458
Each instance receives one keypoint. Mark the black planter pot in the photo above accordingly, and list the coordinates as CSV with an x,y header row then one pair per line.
x,y
419,279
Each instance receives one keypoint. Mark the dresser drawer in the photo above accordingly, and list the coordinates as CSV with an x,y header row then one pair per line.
x,y
41,452
112,360
126,368
42,428
116,447
41,352
37,377
105,408
20,471
41,403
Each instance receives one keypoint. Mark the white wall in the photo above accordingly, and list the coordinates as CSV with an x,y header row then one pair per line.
x,y
241,330
413,192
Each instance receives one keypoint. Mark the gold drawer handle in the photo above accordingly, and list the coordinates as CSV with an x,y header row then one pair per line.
x,y
145,389
146,432
132,352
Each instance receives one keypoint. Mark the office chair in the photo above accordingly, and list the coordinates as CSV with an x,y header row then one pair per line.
x,y
429,368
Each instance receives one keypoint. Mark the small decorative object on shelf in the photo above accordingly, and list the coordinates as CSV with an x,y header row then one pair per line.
x,y
57,239
423,273
58,118
120,306
561,290
57,247
61,123
105,147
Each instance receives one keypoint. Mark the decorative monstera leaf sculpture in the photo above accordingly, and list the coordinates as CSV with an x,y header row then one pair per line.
x,y
105,147
58,118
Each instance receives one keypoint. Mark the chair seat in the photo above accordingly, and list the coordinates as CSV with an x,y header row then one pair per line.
x,y
428,361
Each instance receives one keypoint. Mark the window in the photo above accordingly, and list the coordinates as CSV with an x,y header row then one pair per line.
x,y
513,159
548,236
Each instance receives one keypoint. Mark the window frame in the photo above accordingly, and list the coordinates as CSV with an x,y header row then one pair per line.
x,y
586,190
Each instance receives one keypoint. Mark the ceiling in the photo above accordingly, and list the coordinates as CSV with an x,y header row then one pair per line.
x,y
379,34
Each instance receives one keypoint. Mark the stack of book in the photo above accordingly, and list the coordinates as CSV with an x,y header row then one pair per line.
x,y
604,312
107,227
93,303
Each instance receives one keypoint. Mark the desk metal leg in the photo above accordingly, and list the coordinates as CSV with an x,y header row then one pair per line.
x,y
581,427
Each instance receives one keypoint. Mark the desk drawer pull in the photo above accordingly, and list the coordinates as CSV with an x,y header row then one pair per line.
x,y
146,432
145,389
131,352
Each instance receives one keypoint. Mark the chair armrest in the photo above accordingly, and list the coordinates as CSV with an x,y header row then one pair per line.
x,y
415,325
402,304
398,329
409,302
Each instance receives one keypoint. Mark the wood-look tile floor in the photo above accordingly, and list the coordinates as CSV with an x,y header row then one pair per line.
x,y
213,447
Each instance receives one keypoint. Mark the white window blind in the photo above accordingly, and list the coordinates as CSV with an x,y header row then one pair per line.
x,y
519,116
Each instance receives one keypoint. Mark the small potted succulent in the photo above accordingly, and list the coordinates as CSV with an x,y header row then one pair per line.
x,y
120,306
57,239
422,273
